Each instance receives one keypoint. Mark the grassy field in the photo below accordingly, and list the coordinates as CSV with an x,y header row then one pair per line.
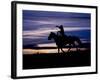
x,y
54,60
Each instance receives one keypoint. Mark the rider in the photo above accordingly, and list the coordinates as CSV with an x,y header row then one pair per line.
x,y
61,31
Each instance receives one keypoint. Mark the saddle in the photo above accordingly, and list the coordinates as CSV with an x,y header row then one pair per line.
x,y
62,37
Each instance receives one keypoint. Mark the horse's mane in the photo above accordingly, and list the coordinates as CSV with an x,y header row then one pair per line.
x,y
53,33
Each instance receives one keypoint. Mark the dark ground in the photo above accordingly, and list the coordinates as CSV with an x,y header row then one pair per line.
x,y
69,59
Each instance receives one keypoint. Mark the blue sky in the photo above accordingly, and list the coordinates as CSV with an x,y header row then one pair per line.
x,y
37,25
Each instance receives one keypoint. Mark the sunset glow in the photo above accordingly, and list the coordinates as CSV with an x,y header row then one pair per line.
x,y
47,45
45,51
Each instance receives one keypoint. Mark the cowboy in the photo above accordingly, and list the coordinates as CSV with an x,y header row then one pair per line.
x,y
61,32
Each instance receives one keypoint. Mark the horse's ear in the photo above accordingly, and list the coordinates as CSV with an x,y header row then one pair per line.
x,y
51,32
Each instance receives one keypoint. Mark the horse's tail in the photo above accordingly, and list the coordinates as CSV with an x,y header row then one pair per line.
x,y
79,41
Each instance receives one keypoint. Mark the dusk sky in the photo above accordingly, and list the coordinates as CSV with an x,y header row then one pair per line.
x,y
37,25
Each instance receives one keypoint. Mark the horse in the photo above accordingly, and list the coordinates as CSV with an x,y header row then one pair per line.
x,y
63,41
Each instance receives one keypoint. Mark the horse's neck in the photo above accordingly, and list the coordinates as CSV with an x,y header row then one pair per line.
x,y
55,37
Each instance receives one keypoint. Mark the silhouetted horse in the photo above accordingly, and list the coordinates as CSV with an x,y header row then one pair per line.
x,y
63,41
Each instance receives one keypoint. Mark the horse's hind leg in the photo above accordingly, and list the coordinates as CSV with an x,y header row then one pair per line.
x,y
68,49
77,48
62,50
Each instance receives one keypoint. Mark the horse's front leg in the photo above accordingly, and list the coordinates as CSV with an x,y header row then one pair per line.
x,y
58,49
62,50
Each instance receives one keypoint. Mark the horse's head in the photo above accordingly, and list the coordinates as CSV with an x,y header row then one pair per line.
x,y
50,36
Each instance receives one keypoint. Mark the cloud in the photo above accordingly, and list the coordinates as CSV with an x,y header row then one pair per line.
x,y
37,25
47,45
76,28
44,32
52,22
